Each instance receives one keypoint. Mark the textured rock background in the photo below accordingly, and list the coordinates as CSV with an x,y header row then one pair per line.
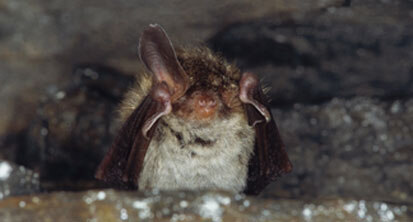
x,y
107,205
341,78
362,50
17,180
358,148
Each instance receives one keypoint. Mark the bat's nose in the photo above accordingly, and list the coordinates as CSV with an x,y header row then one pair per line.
x,y
206,102
205,105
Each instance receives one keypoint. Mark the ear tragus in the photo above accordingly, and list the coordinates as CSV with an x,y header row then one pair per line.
x,y
162,98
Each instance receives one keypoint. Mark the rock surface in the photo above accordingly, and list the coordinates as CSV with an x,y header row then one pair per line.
x,y
363,50
111,206
17,180
359,148
64,141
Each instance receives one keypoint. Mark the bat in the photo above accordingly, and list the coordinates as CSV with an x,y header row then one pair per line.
x,y
194,122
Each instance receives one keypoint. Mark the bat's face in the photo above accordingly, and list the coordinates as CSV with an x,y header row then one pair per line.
x,y
204,102
200,105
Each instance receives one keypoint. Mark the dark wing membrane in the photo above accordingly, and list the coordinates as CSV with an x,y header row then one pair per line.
x,y
269,160
124,160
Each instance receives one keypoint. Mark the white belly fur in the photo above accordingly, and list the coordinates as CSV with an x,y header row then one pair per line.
x,y
223,164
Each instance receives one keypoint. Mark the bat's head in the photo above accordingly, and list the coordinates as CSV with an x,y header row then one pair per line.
x,y
213,87
194,84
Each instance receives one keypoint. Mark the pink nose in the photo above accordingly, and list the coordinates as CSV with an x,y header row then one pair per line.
x,y
206,102
205,105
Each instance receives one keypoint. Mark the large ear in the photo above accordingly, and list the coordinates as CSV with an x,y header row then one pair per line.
x,y
157,53
269,160
249,94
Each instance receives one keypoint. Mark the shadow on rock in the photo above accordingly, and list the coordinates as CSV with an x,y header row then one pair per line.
x,y
72,126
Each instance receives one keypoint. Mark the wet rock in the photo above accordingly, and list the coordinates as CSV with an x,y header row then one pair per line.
x,y
362,50
72,128
108,205
359,148
17,180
